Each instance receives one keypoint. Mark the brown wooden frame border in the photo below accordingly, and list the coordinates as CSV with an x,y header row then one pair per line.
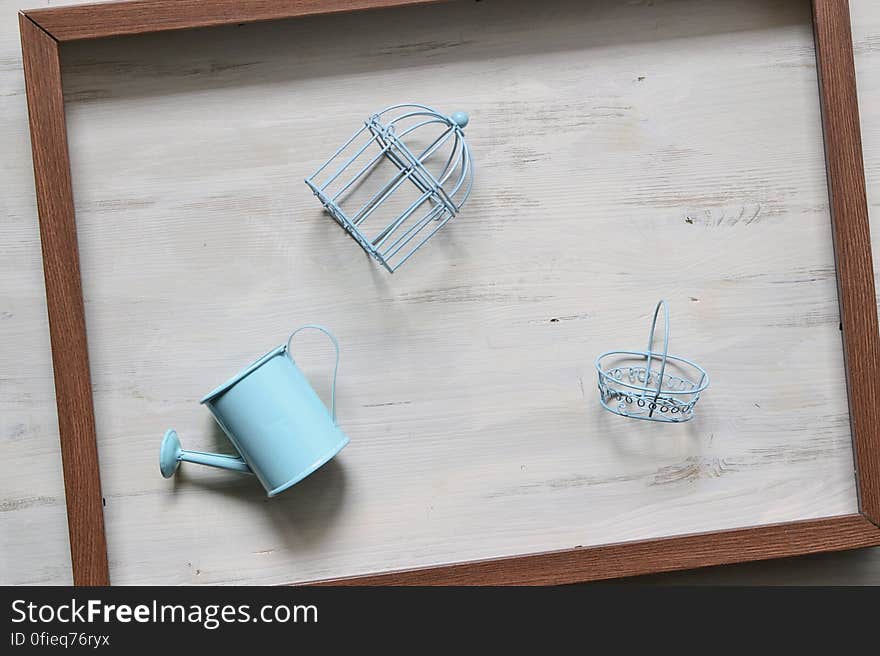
x,y
42,33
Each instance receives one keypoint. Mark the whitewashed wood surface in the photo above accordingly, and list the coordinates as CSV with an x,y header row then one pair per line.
x,y
626,151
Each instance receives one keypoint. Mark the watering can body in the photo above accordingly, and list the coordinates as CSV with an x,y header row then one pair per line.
x,y
277,423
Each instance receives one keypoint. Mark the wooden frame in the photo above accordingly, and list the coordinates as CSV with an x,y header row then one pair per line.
x,y
42,33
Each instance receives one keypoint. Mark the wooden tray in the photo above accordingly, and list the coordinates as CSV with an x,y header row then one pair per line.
x,y
624,152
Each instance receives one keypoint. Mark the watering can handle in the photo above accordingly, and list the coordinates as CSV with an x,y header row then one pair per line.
x,y
662,304
335,367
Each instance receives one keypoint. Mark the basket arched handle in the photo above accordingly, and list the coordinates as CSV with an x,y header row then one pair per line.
x,y
650,353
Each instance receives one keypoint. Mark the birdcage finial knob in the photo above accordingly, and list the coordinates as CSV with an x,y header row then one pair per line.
x,y
461,119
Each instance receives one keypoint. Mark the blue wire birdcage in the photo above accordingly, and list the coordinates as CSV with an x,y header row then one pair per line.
x,y
397,180
629,386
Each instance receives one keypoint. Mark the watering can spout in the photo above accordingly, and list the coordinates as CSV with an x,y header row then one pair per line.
x,y
171,455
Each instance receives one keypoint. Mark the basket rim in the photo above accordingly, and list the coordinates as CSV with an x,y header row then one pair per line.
x,y
644,388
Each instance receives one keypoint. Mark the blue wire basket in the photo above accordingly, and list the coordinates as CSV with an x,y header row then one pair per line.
x,y
651,385
397,180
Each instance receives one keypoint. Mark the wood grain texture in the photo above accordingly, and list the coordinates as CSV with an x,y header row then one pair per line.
x,y
94,21
848,540
852,239
82,483
720,467
34,539
648,556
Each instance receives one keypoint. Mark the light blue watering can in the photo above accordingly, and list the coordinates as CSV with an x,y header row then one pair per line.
x,y
269,411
